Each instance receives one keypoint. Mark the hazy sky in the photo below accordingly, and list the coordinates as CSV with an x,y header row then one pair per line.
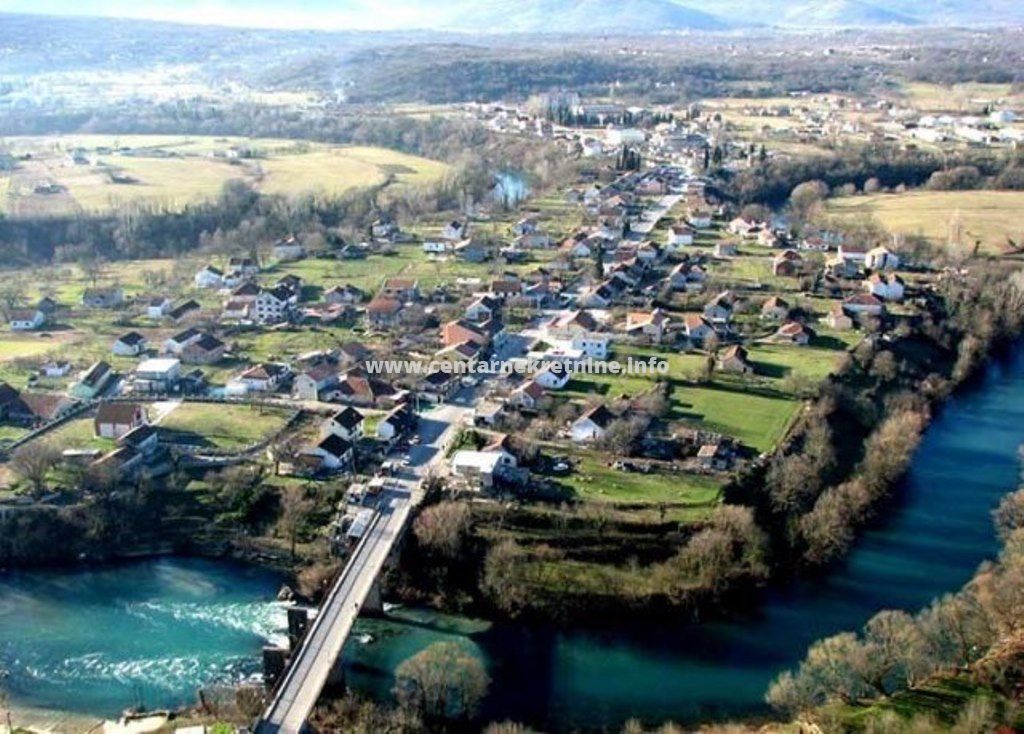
x,y
321,14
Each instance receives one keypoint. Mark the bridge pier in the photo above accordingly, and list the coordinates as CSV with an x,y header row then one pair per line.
x,y
298,623
274,661
374,604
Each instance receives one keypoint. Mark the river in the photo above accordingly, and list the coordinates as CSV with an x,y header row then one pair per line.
x,y
930,541
95,641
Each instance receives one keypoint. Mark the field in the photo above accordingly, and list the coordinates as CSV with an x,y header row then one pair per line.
x,y
220,426
965,98
989,217
175,171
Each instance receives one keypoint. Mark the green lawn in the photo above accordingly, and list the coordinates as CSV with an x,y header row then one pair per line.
x,y
220,426
78,433
594,480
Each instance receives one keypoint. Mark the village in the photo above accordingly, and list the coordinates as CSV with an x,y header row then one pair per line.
x,y
270,350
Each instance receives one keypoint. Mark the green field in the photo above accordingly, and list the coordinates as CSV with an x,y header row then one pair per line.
x,y
173,171
989,217
220,426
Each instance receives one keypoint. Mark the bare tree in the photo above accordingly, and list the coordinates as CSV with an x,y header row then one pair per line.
x,y
444,527
33,461
295,508
444,681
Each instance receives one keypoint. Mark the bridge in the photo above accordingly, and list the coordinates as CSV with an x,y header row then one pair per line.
x,y
319,655
310,668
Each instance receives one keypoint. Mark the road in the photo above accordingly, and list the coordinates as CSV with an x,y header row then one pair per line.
x,y
642,229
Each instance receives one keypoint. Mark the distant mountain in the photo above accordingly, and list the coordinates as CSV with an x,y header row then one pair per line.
x,y
542,16
581,16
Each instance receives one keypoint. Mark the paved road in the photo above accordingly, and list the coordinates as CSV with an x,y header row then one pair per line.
x,y
642,229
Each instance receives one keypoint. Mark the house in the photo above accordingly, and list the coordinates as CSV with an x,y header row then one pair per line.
x,y
158,307
768,237
887,287
272,305
592,425
157,375
699,218
714,456
402,289
48,306
25,319
347,294
814,243
114,420
436,248
384,228
472,251
578,245
853,251
651,324
207,349
346,423
553,377
506,287
144,439
484,308
122,462
528,395
696,328
396,424
288,249
317,379
719,309
177,343
792,332
333,451
487,412
481,467
526,225
863,303
837,319
262,377
437,386
745,228
42,407
382,311
460,330
131,344
788,263
244,266
356,388
55,368
209,277
179,312
680,235
881,258
734,358
236,309
92,382
841,267
454,230
775,309
103,297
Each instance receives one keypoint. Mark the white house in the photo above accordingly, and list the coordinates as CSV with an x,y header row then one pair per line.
x,y
680,235
696,327
209,277
176,344
863,303
346,423
131,344
454,230
481,466
333,451
436,247
886,287
26,319
592,425
271,305
263,377
553,377
288,249
881,258
158,307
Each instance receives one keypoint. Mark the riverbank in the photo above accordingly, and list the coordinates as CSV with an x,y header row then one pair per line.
x,y
930,541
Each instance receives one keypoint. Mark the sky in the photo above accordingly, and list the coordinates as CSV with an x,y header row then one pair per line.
x,y
318,14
